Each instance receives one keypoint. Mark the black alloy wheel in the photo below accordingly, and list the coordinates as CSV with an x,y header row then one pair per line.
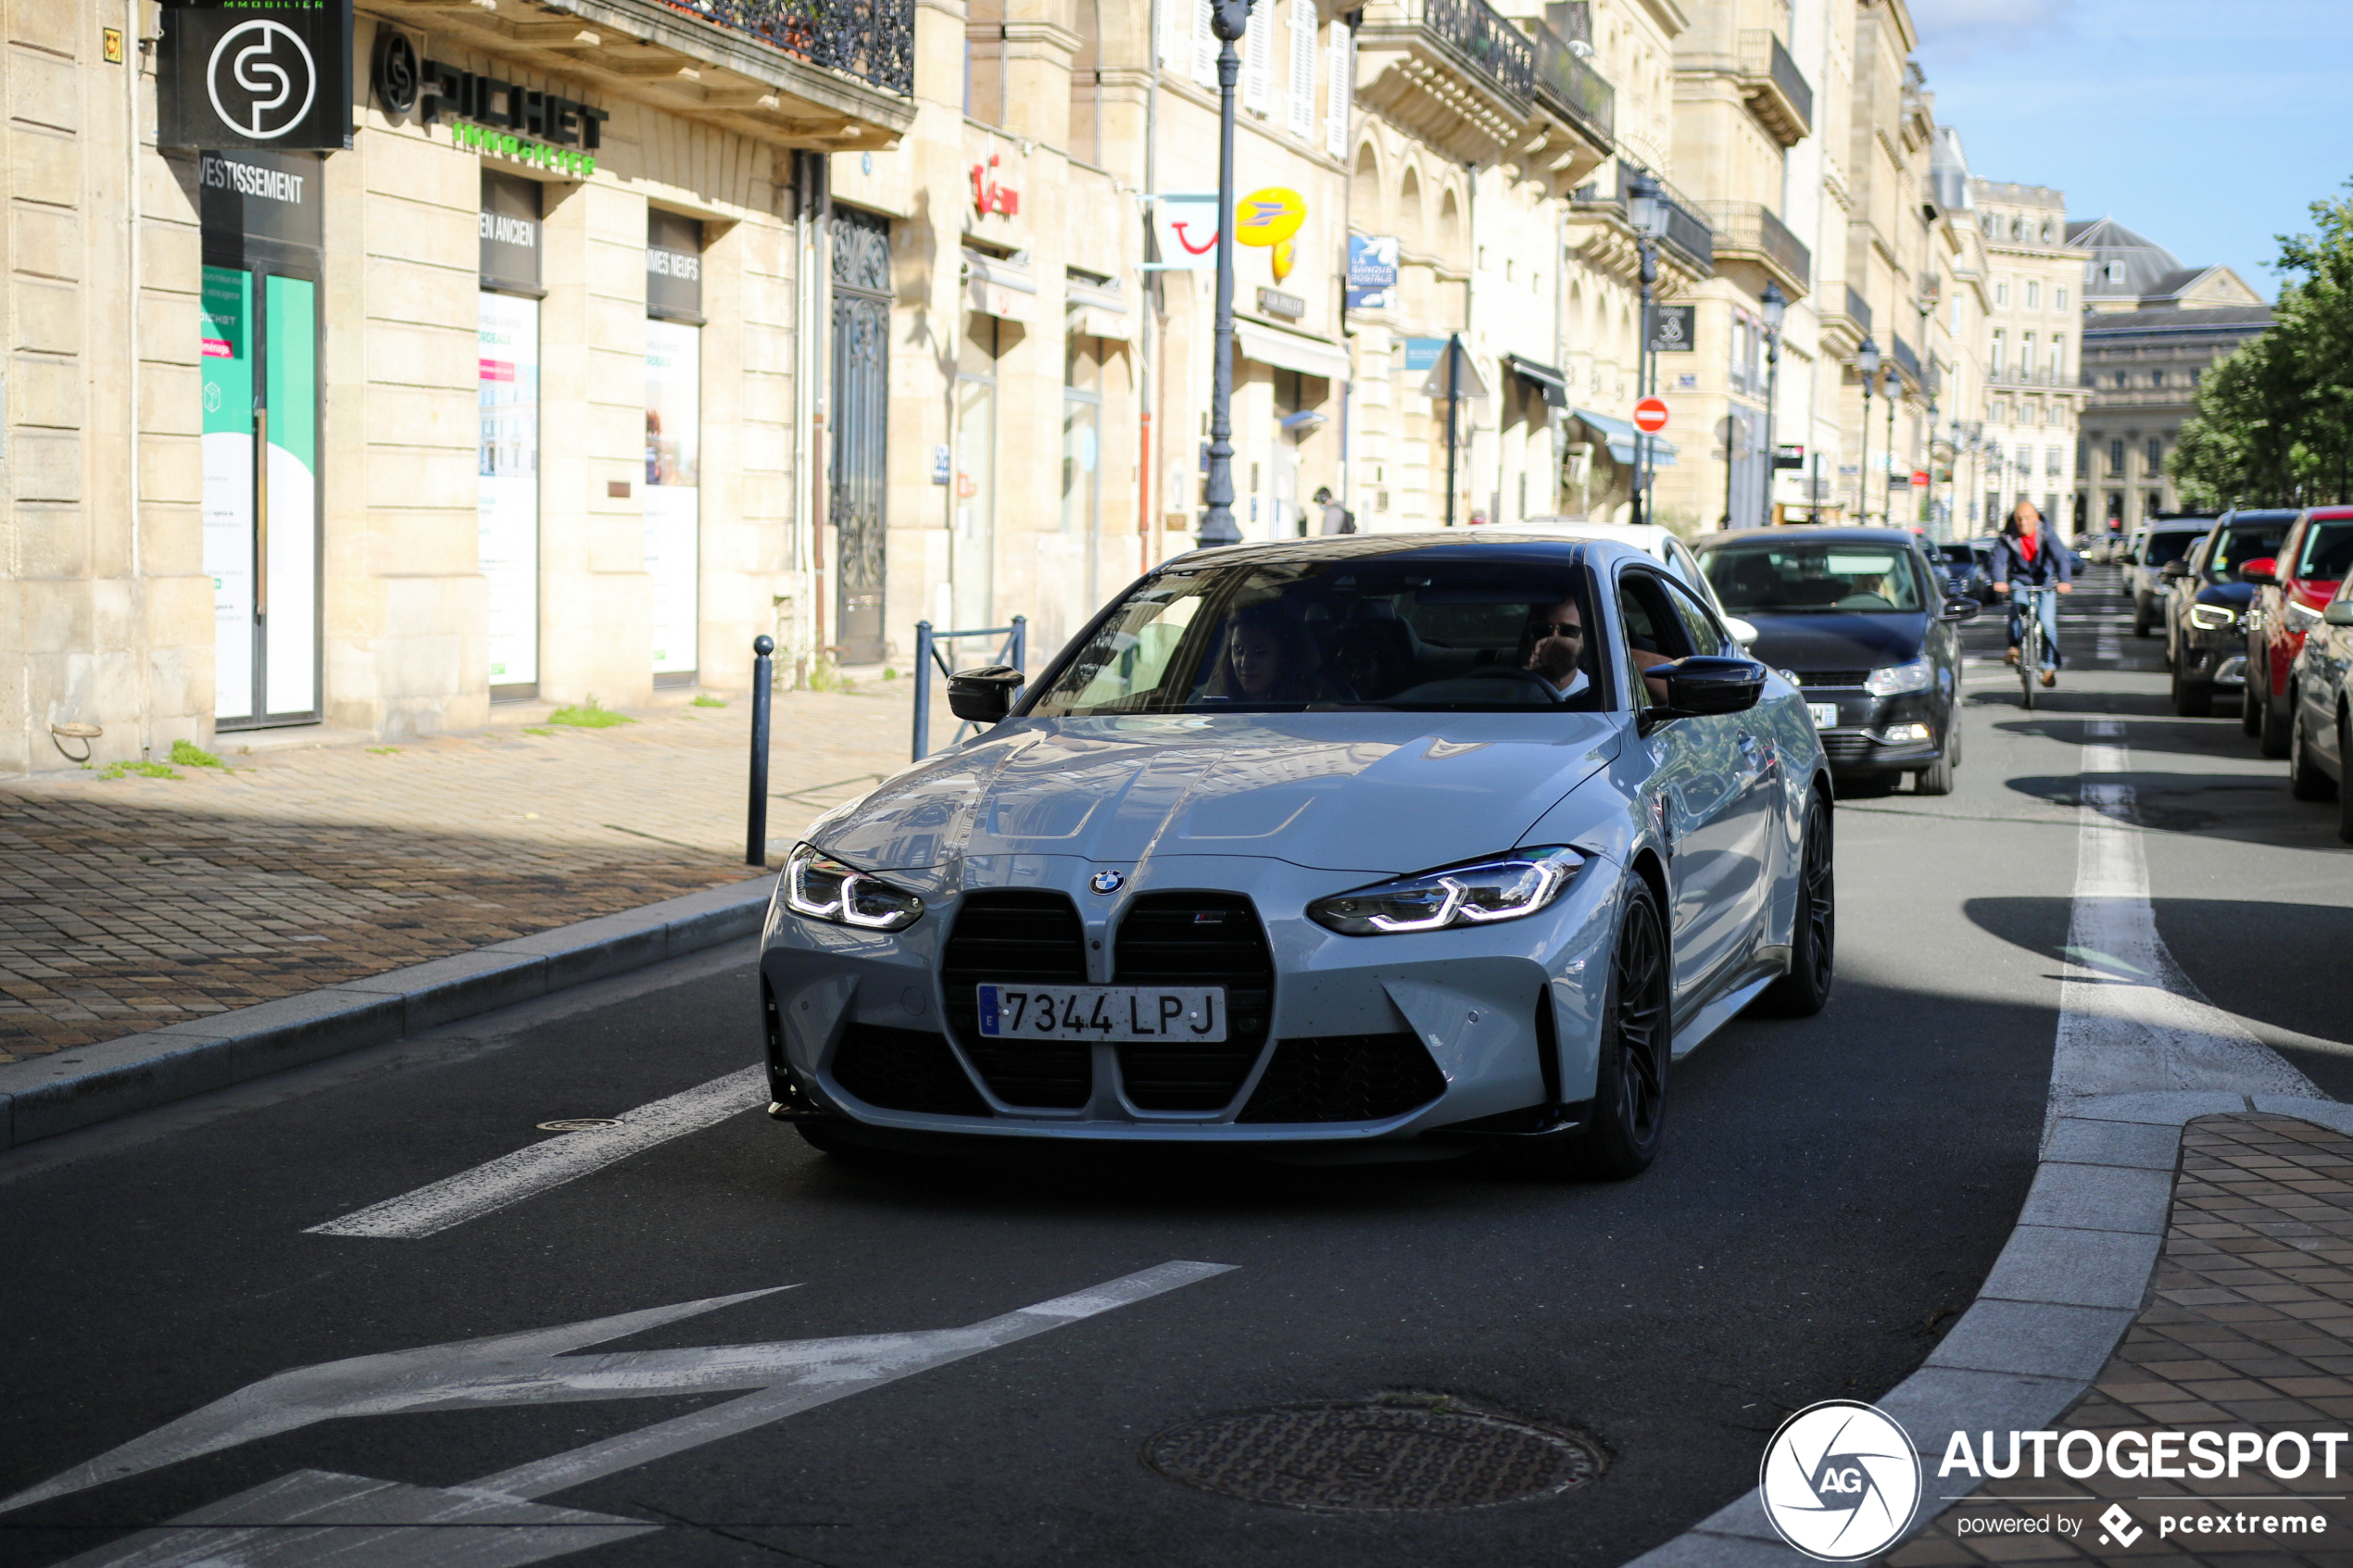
x,y
1937,777
2305,780
2251,715
1813,943
2272,734
1629,1090
2140,615
2192,699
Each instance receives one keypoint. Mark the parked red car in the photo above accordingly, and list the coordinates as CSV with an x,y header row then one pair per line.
x,y
2290,590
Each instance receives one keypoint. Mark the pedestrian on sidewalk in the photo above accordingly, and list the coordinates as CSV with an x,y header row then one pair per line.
x,y
2029,558
1337,518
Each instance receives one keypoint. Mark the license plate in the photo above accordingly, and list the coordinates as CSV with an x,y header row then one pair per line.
x,y
1825,714
1110,1013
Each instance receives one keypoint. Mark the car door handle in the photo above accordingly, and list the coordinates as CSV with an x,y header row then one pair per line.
x,y
1756,757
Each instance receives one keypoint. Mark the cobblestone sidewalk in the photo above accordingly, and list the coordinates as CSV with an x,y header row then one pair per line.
x,y
130,902
2248,1328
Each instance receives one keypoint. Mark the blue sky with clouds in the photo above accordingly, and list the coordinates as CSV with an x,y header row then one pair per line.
x,y
2207,125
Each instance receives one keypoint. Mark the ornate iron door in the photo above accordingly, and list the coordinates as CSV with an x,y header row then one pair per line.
x,y
860,425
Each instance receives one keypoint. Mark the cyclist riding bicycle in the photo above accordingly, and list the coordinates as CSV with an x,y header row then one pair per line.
x,y
2029,559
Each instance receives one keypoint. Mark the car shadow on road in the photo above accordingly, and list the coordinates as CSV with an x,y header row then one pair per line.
x,y
2240,808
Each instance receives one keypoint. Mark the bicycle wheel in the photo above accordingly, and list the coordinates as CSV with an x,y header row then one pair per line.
x,y
2029,659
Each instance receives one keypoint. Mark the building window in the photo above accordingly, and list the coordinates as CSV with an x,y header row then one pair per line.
x,y
2123,379
2115,458
2115,505
2157,455
2052,461
2002,294
2000,348
2156,378
2034,295
2059,356
2059,297
2001,411
2155,504
2026,355
2195,374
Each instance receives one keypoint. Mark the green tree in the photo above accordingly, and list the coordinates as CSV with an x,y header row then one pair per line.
x,y
2275,421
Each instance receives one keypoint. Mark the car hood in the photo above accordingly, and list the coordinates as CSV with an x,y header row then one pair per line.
x,y
1805,643
2238,595
1372,792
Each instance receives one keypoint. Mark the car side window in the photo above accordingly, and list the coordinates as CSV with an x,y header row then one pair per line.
x,y
1700,627
1680,562
1653,632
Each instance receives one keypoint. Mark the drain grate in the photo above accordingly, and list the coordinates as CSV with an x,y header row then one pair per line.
x,y
578,1123
1389,1454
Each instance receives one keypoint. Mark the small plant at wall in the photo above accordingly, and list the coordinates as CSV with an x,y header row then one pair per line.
x,y
189,755
144,770
704,699
536,730
589,715
384,751
826,676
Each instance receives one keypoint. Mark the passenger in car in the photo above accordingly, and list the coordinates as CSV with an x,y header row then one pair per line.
x,y
1268,657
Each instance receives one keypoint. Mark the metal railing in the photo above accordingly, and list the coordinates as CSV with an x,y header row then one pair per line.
x,y
1484,42
1569,87
1015,652
1907,359
872,40
1687,233
1752,226
1859,310
1792,82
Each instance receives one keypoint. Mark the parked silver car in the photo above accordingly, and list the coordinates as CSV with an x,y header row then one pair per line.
x,y
1387,841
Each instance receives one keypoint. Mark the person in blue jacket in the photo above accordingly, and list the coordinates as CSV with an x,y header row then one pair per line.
x,y
2029,555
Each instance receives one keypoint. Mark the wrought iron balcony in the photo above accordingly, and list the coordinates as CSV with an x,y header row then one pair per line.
x,y
1908,361
1478,35
1570,88
1859,310
872,40
1752,230
1454,72
1776,89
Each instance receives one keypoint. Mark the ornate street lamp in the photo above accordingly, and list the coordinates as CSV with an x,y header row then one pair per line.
x,y
1892,386
1776,305
1229,20
1647,215
1867,361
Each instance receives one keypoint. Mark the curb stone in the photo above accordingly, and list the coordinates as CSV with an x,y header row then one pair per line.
x,y
42,1097
2056,1304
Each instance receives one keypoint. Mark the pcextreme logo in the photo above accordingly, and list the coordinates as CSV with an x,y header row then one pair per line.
x,y
1839,1481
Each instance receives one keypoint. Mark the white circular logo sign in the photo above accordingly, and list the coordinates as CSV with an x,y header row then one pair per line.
x,y
261,80
1839,1481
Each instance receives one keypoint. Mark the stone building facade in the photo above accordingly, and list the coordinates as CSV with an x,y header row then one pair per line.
x,y
2033,389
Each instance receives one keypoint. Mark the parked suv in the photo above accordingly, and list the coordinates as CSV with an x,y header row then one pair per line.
x,y
2166,540
2290,590
2321,722
2206,606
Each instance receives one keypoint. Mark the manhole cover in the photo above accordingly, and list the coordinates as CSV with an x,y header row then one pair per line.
x,y
577,1124
1390,1454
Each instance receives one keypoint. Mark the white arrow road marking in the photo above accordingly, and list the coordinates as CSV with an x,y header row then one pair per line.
x,y
511,1178
317,1516
2129,1019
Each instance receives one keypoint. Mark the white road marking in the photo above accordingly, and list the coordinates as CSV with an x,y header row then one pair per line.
x,y
511,1178
318,1516
2129,1019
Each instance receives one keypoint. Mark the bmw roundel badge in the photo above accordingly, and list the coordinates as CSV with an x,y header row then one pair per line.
x,y
1107,882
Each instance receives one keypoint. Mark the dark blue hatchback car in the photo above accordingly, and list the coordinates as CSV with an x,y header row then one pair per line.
x,y
1861,620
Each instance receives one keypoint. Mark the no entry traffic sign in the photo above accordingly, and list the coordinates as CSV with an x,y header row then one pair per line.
x,y
1650,415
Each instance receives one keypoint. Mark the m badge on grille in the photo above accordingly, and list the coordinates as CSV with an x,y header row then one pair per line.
x,y
1107,882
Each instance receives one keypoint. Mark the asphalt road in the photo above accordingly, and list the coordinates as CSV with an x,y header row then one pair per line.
x,y
1832,1194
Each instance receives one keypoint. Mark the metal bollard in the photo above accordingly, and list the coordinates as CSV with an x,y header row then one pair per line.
x,y
1021,644
756,845
923,690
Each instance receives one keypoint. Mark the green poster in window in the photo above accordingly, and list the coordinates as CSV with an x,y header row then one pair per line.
x,y
225,331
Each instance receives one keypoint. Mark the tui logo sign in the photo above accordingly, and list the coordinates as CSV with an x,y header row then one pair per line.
x,y
256,73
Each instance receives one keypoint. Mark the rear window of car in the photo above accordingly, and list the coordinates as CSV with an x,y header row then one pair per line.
x,y
2328,550
1397,632
2173,545
1816,576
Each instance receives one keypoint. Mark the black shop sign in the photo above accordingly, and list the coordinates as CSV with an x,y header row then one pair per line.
x,y
269,74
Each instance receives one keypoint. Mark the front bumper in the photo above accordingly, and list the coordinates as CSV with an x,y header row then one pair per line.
x,y
1876,734
1380,1039
2214,658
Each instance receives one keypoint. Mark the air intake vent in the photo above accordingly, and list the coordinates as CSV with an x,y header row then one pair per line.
x,y
1815,680
904,1070
1196,939
1345,1078
1009,936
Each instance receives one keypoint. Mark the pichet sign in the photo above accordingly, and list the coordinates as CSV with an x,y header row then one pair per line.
x,y
255,73
567,130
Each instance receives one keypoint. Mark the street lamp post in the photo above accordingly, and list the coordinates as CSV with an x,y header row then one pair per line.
x,y
1776,305
1647,215
1892,386
1229,20
1867,361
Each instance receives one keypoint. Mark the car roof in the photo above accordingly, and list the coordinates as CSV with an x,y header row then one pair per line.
x,y
1833,531
1482,544
2262,514
1640,534
2181,524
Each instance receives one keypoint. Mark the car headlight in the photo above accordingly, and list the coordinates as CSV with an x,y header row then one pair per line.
x,y
1506,886
1894,680
2301,618
817,887
2212,617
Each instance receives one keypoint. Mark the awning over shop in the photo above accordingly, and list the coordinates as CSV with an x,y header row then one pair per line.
x,y
1096,320
1621,437
1544,378
1291,351
992,288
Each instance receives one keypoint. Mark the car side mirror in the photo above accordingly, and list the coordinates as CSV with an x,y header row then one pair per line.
x,y
1959,608
2174,569
1744,631
2260,570
2338,612
984,695
1704,685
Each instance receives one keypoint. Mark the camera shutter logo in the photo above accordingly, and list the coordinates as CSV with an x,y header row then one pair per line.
x,y
1839,1481
265,68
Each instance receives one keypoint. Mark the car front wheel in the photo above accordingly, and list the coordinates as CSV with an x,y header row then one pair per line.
x,y
2273,723
2305,781
1813,944
1630,1091
2141,620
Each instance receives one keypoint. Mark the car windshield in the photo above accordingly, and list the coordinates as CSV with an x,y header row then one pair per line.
x,y
2239,544
2173,545
1957,555
1399,632
1815,576
2328,550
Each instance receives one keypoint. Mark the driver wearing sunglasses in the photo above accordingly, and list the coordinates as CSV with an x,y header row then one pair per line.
x,y
1553,646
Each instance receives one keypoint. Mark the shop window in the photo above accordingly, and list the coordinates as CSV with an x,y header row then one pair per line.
x,y
1082,487
673,442
507,488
